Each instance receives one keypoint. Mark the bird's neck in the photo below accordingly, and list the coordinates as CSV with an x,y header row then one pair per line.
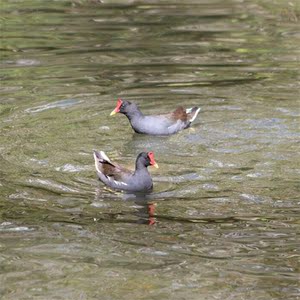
x,y
140,168
135,114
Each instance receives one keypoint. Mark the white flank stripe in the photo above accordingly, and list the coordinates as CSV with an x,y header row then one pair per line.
x,y
116,182
120,183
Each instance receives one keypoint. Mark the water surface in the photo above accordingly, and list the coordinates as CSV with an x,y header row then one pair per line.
x,y
223,220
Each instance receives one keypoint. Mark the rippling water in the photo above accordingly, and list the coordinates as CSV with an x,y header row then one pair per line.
x,y
223,220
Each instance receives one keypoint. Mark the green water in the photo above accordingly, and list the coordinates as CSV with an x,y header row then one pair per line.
x,y
223,220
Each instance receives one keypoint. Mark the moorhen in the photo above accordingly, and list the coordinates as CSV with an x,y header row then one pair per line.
x,y
120,178
163,124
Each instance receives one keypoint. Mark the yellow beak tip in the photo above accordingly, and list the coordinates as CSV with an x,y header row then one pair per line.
x,y
155,166
112,113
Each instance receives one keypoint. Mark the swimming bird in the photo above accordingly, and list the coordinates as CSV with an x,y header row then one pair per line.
x,y
120,178
162,124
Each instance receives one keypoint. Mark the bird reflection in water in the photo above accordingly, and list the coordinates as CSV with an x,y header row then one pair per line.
x,y
146,213
144,208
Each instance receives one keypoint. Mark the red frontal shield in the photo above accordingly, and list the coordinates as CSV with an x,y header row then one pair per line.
x,y
117,109
152,160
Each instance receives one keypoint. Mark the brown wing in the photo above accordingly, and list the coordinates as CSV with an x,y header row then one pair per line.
x,y
114,170
179,114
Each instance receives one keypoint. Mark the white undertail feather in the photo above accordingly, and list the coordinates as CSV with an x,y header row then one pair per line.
x,y
104,156
96,164
189,110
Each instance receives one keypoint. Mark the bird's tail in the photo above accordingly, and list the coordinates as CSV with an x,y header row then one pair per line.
x,y
100,158
192,113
